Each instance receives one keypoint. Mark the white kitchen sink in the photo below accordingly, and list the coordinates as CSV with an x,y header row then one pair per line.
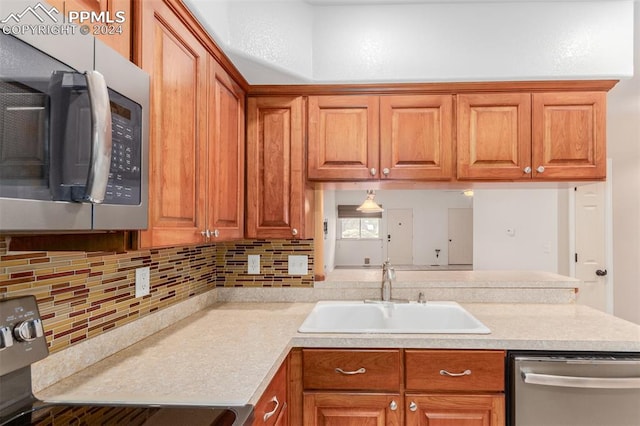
x,y
390,317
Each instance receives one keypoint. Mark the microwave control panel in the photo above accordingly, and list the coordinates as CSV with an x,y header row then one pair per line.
x,y
124,184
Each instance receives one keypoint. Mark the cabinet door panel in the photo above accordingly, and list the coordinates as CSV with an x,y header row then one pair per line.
x,y
275,188
494,136
569,135
416,137
459,410
225,194
343,137
352,409
177,63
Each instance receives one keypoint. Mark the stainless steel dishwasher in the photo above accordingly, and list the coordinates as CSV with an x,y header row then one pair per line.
x,y
575,389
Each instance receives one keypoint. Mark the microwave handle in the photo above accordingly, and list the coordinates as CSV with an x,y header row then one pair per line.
x,y
101,143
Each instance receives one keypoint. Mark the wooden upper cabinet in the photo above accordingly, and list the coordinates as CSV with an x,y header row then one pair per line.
x,y
276,195
380,137
416,133
196,183
494,136
225,158
177,64
343,138
116,35
524,136
569,132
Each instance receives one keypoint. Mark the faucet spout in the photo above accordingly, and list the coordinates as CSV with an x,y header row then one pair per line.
x,y
388,275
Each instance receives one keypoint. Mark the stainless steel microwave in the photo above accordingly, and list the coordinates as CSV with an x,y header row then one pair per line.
x,y
74,120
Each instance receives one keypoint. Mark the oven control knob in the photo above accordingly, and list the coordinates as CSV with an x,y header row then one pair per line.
x,y
27,331
6,339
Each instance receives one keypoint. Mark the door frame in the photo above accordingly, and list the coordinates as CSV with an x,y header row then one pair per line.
x,y
608,236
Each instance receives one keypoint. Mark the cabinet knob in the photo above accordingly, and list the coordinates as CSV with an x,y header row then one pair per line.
x,y
294,232
540,169
385,171
206,233
216,233
413,406
393,406
373,171
527,170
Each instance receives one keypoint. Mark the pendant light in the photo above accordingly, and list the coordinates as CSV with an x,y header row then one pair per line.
x,y
370,206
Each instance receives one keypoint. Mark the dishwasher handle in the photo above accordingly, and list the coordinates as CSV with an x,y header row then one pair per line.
x,y
581,382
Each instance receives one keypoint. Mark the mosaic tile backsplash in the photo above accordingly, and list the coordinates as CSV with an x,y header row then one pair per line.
x,y
81,295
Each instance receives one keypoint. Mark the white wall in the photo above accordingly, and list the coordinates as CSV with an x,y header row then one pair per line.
x,y
531,215
623,144
472,41
294,41
430,216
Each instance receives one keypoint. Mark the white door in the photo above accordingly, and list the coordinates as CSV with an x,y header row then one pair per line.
x,y
590,245
460,236
400,236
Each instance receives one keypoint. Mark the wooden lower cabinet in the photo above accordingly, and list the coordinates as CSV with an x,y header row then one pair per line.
x,y
412,387
273,407
352,409
454,409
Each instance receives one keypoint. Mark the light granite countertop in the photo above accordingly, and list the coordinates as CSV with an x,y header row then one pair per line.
x,y
228,352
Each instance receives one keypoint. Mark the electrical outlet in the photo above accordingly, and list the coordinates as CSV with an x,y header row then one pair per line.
x,y
298,265
253,264
142,281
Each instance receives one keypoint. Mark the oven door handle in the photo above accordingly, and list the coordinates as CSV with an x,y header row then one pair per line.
x,y
581,382
101,143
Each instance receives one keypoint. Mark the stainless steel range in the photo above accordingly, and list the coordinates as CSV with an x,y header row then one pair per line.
x,y
22,342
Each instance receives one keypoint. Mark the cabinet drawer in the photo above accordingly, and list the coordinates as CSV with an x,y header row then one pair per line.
x,y
454,370
369,370
272,408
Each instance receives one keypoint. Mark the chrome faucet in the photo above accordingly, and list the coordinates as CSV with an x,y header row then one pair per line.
x,y
388,275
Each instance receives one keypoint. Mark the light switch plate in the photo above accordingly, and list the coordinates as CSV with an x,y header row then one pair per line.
x,y
298,265
253,264
143,281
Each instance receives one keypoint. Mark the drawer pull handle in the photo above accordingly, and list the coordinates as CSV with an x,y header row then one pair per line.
x,y
360,370
446,373
272,412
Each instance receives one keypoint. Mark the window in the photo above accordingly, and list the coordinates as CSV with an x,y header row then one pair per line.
x,y
356,225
